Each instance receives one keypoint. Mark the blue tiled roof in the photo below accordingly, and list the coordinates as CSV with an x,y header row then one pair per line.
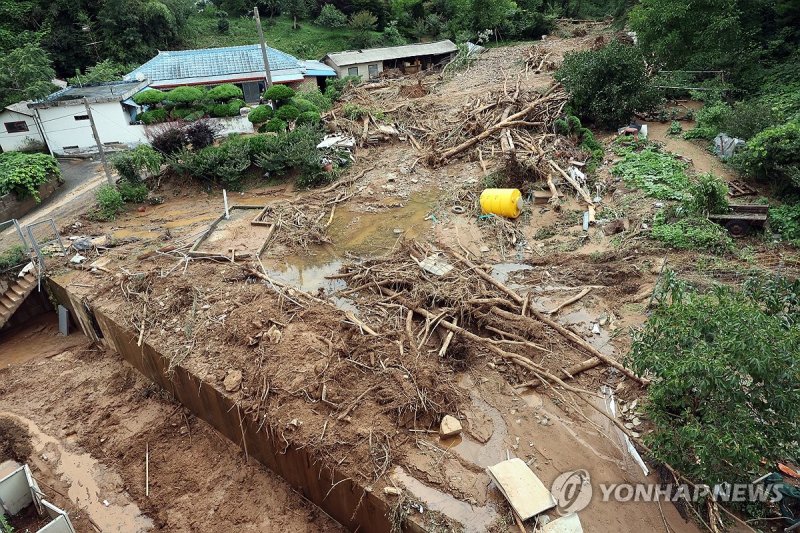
x,y
209,62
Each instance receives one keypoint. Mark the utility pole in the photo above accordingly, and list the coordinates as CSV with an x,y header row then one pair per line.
x,y
268,74
99,144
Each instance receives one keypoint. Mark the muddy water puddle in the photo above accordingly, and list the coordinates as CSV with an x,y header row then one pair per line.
x,y
85,475
354,234
474,518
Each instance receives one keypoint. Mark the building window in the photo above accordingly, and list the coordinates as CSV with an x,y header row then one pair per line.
x,y
81,117
352,71
16,127
373,71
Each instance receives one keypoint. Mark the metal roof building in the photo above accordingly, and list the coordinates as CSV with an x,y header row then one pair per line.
x,y
242,65
409,58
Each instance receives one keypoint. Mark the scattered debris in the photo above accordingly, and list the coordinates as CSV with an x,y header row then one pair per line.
x,y
524,491
233,380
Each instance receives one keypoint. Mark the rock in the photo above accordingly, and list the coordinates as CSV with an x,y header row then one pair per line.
x,y
82,244
233,380
450,426
392,491
636,422
628,425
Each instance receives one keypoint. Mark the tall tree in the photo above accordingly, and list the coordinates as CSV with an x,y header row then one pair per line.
x,y
297,9
25,74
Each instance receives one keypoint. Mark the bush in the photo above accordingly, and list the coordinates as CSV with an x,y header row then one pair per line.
x,y
168,139
309,117
785,220
185,95
12,257
392,36
608,85
711,121
747,119
322,102
132,192
221,110
708,195
22,173
773,156
109,202
303,105
223,26
180,113
224,164
331,17
200,134
149,97
363,23
132,164
294,150
354,111
675,128
275,125
279,94
154,116
260,114
224,92
287,113
334,87
723,398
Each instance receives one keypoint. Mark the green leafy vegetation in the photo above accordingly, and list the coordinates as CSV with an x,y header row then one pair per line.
x,y
10,258
785,220
149,97
224,92
132,192
691,233
608,85
23,173
133,165
260,114
773,156
724,391
570,126
708,194
279,94
109,202
104,71
658,174
330,17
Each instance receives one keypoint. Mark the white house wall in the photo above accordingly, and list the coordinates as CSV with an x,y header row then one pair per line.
x,y
64,133
14,141
363,69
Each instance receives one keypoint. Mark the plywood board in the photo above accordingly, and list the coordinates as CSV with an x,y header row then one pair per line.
x,y
524,491
566,524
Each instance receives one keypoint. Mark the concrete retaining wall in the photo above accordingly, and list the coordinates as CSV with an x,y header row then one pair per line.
x,y
343,499
12,207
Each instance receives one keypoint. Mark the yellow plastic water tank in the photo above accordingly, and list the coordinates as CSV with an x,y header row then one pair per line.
x,y
504,202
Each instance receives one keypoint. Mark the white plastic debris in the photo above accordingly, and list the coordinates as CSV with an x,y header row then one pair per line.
x,y
77,259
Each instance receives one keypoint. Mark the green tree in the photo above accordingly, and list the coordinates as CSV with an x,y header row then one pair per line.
x,y
105,70
489,14
607,86
363,24
724,367
25,74
297,9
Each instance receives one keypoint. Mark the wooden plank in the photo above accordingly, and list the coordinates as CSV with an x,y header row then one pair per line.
x,y
524,491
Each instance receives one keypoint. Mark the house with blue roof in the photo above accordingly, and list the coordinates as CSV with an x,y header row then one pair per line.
x,y
240,65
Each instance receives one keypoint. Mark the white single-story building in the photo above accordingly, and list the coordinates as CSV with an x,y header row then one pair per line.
x,y
19,127
411,58
65,123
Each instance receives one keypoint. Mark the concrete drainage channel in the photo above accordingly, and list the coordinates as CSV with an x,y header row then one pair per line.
x,y
348,502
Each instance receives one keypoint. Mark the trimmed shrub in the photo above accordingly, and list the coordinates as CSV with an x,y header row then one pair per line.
x,y
287,113
608,85
109,202
154,116
322,102
279,93
303,105
180,113
275,125
234,106
185,95
224,92
167,139
132,192
294,150
260,114
149,97
200,134
220,110
309,117
224,164
331,17
195,115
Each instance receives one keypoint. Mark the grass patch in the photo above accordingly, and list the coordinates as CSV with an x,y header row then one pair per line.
x,y
309,41
14,256
692,233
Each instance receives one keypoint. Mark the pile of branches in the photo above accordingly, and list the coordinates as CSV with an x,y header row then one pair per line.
x,y
298,225
485,316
